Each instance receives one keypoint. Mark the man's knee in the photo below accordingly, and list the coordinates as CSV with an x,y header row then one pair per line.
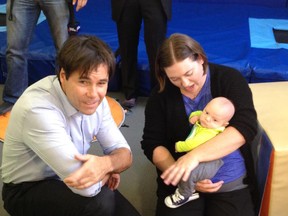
x,y
102,204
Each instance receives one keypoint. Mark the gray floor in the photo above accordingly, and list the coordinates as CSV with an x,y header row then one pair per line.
x,y
138,182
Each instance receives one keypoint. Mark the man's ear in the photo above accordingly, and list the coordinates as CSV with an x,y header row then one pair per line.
x,y
62,74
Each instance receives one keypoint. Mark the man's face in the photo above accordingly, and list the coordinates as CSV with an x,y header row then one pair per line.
x,y
86,93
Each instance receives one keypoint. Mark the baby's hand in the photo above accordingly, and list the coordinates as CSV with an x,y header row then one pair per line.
x,y
193,119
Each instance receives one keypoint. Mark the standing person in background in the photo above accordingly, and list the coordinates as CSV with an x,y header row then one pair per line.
x,y
128,15
22,17
187,82
46,168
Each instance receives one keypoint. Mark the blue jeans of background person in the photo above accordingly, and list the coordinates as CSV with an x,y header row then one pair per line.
x,y
20,29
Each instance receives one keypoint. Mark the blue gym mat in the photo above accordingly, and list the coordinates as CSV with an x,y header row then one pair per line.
x,y
233,33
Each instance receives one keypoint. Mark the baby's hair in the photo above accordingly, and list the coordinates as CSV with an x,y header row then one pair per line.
x,y
226,105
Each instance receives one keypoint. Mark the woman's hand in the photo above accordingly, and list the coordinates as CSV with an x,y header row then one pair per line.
x,y
181,169
207,186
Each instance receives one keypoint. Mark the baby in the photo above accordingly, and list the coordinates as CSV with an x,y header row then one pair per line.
x,y
207,124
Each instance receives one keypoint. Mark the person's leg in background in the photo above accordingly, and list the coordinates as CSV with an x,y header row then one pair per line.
x,y
21,21
20,30
128,28
57,14
155,29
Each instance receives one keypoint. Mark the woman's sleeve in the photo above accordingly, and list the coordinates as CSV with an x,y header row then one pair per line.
x,y
245,117
154,128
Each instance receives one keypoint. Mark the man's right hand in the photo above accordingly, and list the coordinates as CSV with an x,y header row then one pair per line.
x,y
89,173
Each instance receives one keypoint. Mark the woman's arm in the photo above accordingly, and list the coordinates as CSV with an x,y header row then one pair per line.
x,y
219,146
162,158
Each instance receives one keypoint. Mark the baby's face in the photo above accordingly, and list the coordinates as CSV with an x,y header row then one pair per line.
x,y
213,118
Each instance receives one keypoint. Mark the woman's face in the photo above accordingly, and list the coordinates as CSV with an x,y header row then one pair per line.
x,y
188,75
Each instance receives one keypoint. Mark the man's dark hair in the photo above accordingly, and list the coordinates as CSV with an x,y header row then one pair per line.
x,y
84,53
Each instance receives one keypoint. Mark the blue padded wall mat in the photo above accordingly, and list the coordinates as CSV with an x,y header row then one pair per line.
x,y
222,27
223,30
262,34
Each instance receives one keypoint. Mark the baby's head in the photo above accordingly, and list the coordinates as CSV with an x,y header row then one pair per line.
x,y
217,113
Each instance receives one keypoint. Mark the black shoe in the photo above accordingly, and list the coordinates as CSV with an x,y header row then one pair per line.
x,y
176,200
5,107
129,103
